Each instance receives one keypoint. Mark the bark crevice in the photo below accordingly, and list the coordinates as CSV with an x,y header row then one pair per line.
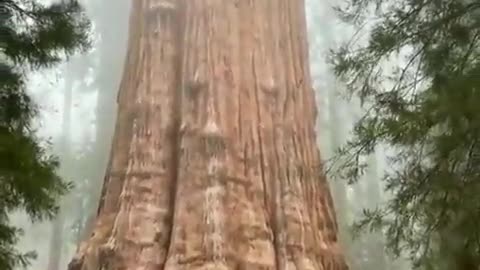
x,y
176,114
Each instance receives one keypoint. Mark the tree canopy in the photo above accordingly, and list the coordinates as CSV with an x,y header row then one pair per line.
x,y
33,36
418,78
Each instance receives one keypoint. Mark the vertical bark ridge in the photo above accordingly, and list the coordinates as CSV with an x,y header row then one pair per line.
x,y
179,89
299,160
143,232
199,218
302,165
133,224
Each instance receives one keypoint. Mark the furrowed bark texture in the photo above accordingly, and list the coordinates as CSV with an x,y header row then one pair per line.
x,y
214,163
134,218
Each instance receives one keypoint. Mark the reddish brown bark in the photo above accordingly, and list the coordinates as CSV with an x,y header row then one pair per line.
x,y
214,163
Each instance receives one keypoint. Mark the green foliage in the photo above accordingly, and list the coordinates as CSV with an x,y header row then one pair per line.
x,y
33,36
425,107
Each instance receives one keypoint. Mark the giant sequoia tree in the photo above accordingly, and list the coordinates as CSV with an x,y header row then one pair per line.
x,y
214,162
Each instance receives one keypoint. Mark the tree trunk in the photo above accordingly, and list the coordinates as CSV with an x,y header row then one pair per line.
x,y
214,162
56,243
373,197
56,238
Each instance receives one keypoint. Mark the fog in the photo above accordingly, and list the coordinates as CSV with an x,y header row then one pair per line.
x,y
78,106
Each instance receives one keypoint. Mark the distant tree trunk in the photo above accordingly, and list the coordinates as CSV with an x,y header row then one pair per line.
x,y
373,194
339,186
56,238
56,242
214,162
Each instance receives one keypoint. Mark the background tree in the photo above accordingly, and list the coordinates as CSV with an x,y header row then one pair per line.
x,y
33,36
94,84
424,108
336,117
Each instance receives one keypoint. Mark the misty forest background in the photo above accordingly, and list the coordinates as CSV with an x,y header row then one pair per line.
x,y
77,114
